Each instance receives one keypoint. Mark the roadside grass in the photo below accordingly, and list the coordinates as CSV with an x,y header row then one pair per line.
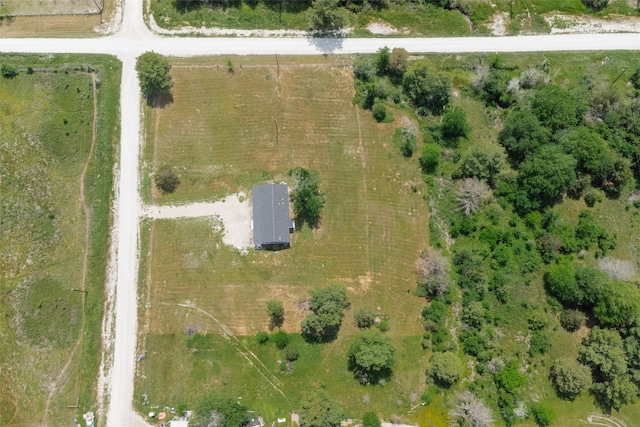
x,y
34,7
413,19
219,134
47,25
47,126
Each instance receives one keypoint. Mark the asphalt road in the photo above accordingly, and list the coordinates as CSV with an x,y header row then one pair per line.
x,y
134,38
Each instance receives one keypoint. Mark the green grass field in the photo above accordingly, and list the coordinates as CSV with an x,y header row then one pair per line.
x,y
219,133
53,237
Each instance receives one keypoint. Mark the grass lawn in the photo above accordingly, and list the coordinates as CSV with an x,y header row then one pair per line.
x,y
219,134
54,239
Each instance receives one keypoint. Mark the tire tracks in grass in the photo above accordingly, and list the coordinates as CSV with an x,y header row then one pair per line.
x,y
363,161
242,349
82,202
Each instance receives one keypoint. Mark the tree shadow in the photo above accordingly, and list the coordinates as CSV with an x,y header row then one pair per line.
x,y
368,377
326,42
160,100
301,220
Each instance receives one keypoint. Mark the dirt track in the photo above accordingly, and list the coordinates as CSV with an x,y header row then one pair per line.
x,y
133,38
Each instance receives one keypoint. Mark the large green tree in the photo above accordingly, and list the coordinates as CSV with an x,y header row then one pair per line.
x,y
306,196
558,108
522,134
317,410
428,91
328,306
445,368
326,15
372,352
225,411
569,377
153,73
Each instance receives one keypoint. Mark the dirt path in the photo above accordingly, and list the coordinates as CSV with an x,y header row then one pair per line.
x,y
84,208
242,349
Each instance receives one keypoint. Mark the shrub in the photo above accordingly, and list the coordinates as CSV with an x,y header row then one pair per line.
x,y
262,337
291,354
454,124
166,180
8,71
569,377
281,339
592,196
380,112
430,157
510,378
364,318
572,320
544,414
540,343
275,309
596,5
370,419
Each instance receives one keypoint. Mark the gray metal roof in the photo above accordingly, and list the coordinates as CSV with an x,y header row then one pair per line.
x,y
271,221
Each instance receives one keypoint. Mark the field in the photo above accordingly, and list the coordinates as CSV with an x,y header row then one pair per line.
x,y
68,18
399,18
59,136
221,138
203,302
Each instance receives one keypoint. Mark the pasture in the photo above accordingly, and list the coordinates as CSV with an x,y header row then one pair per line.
x,y
59,136
219,134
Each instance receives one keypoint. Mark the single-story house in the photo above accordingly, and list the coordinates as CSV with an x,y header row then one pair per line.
x,y
271,223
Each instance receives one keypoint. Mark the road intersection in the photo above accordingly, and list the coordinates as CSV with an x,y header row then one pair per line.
x,y
133,38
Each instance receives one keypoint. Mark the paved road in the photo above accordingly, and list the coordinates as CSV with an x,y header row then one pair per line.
x,y
132,39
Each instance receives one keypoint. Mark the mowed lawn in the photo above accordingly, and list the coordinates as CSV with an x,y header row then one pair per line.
x,y
53,243
219,134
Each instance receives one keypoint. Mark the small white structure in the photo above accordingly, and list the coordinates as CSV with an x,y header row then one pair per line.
x,y
178,422
88,418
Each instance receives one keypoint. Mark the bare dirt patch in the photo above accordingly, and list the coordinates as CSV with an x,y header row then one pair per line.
x,y
571,24
498,25
381,27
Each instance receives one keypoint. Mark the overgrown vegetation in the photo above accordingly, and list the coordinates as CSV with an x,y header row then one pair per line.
x,y
46,117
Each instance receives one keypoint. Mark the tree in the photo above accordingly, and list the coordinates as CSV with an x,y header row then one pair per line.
x,y
382,61
326,15
603,351
364,318
292,354
275,310
434,270
545,175
522,134
569,377
572,320
370,419
560,279
558,108
280,339
398,62
372,353
430,157
544,414
596,5
428,92
473,314
166,180
327,305
226,412
481,165
317,410
616,392
471,194
445,368
306,196
471,411
540,343
454,124
153,73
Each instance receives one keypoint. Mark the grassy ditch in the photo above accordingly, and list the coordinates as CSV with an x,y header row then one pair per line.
x,y
53,316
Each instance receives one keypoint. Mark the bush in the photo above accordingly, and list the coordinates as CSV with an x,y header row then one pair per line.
x,y
291,354
281,339
306,196
572,320
569,377
454,124
596,5
262,337
510,378
166,180
8,71
430,158
540,343
364,318
380,112
275,309
544,414
370,419
592,196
